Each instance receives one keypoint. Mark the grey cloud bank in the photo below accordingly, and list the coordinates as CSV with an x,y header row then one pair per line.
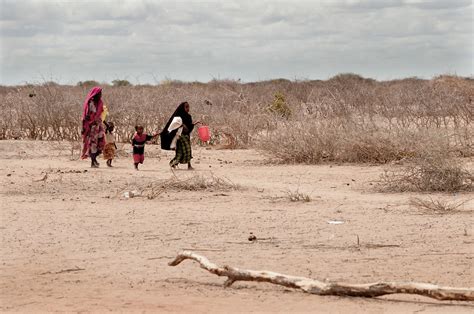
x,y
148,41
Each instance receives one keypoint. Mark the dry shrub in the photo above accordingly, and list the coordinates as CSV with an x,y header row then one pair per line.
x,y
209,183
337,140
346,118
430,173
297,196
439,206
222,139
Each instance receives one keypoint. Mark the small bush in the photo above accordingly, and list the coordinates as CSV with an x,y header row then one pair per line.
x,y
438,206
297,196
279,106
434,173
200,183
210,183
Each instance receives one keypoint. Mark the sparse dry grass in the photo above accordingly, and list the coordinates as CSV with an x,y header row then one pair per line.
x,y
440,206
297,196
198,182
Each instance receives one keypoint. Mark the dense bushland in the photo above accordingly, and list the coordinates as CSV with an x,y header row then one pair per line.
x,y
346,118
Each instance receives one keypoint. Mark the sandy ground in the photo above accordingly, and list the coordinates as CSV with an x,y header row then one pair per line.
x,y
72,242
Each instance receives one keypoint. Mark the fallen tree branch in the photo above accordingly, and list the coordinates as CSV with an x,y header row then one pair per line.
x,y
322,288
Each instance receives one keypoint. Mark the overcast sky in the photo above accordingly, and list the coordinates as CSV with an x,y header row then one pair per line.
x,y
146,41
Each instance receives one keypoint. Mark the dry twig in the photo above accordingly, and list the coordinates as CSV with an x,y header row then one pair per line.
x,y
68,270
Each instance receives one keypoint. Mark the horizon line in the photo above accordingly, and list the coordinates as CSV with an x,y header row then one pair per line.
x,y
231,80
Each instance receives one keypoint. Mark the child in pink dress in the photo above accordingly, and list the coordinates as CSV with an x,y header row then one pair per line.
x,y
139,140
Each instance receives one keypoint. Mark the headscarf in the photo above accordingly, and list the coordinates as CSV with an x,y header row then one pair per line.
x,y
87,137
186,117
99,105
165,136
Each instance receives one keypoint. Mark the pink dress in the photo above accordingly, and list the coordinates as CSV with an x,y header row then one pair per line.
x,y
93,135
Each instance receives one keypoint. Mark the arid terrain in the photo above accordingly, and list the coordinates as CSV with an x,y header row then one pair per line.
x,y
71,240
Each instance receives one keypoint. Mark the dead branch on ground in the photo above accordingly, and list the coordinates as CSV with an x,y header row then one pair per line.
x,y
322,288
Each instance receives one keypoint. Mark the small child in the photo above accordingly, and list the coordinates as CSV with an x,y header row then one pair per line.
x,y
138,142
110,146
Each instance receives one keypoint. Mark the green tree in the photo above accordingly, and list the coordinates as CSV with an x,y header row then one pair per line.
x,y
121,83
279,106
88,84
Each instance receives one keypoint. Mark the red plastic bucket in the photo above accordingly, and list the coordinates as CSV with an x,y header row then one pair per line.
x,y
204,133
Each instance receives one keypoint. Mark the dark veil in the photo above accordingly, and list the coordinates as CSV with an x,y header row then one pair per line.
x,y
165,136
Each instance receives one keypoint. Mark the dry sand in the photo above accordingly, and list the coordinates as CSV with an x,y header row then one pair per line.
x,y
72,242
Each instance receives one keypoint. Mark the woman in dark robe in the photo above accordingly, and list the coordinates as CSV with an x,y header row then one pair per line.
x,y
176,135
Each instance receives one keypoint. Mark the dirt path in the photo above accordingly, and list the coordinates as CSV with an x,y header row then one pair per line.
x,y
72,242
